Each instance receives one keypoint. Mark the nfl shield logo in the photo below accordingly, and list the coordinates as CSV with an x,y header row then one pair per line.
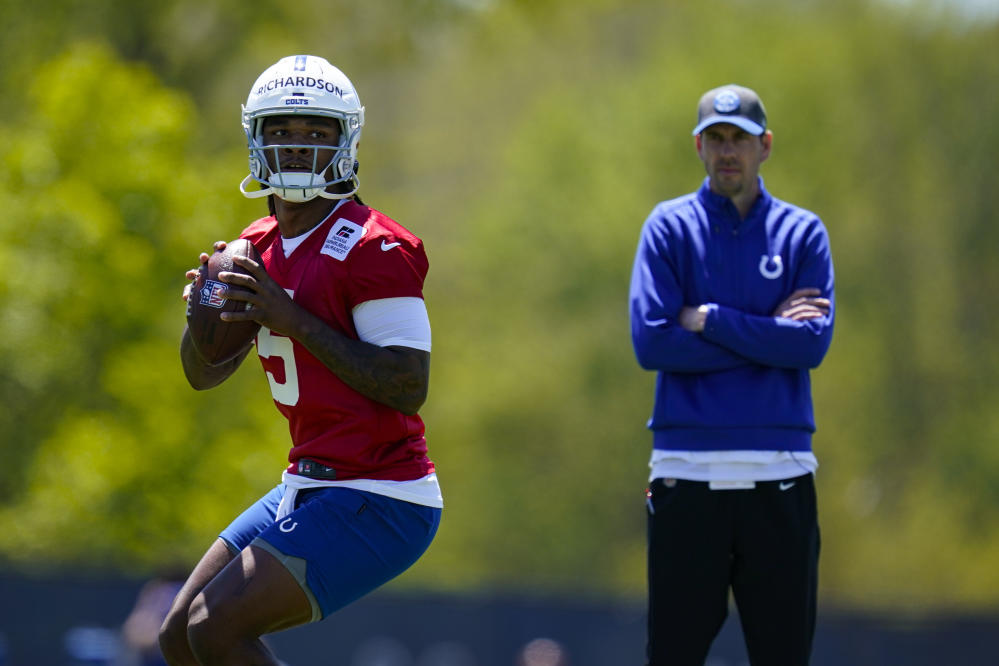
x,y
213,294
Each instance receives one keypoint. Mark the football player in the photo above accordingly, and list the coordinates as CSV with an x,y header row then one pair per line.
x,y
345,346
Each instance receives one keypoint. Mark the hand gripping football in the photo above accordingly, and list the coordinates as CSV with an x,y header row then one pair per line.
x,y
218,341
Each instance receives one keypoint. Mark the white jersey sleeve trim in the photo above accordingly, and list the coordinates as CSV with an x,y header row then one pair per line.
x,y
389,322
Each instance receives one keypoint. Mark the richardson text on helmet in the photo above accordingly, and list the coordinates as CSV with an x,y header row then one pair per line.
x,y
300,82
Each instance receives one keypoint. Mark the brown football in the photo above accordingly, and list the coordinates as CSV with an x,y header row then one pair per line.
x,y
218,341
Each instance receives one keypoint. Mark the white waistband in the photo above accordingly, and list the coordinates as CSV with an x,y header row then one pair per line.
x,y
425,490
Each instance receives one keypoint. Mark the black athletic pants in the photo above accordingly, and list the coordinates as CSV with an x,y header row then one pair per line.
x,y
762,543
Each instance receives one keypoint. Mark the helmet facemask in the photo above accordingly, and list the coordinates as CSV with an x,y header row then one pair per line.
x,y
331,178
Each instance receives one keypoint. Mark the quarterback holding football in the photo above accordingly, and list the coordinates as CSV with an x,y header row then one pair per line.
x,y
336,288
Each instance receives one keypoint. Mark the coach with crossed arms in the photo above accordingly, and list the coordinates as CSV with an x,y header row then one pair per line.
x,y
732,304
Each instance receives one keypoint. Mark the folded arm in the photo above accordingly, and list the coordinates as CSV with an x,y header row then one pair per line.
x,y
796,335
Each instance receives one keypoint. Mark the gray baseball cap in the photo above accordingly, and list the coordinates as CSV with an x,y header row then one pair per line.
x,y
731,104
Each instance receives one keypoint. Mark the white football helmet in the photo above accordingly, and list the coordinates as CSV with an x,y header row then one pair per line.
x,y
303,85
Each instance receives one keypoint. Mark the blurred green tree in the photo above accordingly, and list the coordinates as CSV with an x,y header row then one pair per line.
x,y
103,200
525,142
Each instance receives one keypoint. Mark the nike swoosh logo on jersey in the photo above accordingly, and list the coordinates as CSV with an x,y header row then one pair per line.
x,y
389,246
788,485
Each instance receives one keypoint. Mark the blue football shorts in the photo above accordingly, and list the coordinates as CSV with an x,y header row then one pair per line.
x,y
339,543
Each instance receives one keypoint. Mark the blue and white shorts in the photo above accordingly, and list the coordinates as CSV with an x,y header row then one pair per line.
x,y
339,543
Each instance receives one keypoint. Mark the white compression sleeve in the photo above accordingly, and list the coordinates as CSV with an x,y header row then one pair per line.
x,y
388,322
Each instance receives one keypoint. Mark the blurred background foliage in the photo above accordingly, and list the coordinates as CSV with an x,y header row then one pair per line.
x,y
525,141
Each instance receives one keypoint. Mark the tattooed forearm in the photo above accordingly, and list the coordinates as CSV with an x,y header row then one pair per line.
x,y
394,376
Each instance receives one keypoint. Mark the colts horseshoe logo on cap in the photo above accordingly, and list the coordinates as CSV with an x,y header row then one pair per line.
x,y
727,101
771,273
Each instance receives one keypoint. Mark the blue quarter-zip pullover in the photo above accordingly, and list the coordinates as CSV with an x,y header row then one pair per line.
x,y
743,383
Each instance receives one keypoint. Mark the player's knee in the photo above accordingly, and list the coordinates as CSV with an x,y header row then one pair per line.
x,y
209,632
199,625
173,638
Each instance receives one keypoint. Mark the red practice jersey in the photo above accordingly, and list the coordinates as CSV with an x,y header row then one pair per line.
x,y
357,254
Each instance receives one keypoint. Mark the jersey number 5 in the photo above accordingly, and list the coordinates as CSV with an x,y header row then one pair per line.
x,y
278,346
270,345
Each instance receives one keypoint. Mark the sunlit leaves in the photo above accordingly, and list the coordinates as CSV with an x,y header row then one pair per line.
x,y
525,142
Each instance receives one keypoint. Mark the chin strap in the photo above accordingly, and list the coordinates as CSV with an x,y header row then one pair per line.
x,y
269,189
253,194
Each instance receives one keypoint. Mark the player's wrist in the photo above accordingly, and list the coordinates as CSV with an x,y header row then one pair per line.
x,y
702,316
